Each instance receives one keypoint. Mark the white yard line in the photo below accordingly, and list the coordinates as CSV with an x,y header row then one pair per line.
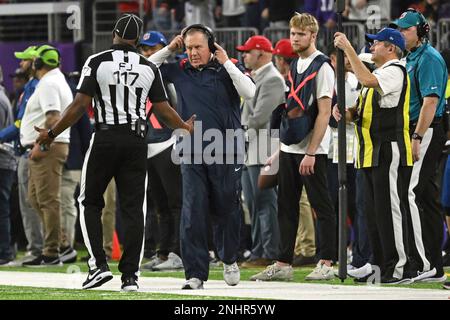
x,y
245,289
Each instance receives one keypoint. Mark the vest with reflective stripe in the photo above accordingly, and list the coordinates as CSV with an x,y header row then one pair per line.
x,y
376,125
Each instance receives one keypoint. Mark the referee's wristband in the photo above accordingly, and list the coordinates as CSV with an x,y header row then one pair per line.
x,y
310,155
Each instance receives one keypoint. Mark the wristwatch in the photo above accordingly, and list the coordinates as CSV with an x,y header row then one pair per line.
x,y
51,134
416,136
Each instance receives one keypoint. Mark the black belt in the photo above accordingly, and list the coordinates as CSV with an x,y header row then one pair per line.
x,y
104,126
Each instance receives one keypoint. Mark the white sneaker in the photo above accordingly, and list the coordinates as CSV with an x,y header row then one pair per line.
x,y
274,272
192,284
173,262
422,275
321,272
430,276
351,267
154,261
362,272
231,274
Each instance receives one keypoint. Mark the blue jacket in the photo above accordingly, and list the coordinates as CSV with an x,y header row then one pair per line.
x,y
11,133
208,93
80,135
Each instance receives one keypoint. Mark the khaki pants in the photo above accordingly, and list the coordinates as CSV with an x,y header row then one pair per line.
x,y
70,180
109,217
44,189
305,243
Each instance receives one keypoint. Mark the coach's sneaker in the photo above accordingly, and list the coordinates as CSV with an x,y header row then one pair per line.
x,y
369,279
68,255
154,261
173,262
321,272
274,272
231,274
129,283
437,278
43,261
395,281
422,275
192,284
97,277
359,273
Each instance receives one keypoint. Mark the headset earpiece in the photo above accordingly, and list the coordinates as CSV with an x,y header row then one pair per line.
x,y
39,62
209,33
423,28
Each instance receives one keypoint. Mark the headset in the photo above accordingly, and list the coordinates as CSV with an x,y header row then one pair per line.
x,y
423,28
208,31
40,61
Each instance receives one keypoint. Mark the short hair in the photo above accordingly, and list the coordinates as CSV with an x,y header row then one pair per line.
x,y
194,30
304,21
331,50
285,59
398,51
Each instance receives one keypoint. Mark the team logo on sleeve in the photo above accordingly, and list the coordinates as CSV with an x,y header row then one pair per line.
x,y
86,71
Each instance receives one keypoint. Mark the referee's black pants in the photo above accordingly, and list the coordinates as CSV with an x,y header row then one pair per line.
x,y
385,191
120,154
425,211
290,185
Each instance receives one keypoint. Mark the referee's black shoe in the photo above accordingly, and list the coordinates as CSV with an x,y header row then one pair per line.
x,y
97,277
129,283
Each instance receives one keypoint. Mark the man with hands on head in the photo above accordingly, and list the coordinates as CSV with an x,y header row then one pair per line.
x,y
384,149
209,85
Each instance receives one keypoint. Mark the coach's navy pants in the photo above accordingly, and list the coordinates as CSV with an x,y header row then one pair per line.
x,y
212,190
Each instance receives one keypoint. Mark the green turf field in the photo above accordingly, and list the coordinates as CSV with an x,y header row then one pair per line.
x,y
32,293
10,292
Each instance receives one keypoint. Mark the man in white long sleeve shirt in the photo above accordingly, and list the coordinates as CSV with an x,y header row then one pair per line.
x,y
209,85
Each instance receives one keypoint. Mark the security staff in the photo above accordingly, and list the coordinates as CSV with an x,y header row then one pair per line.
x,y
209,85
384,148
120,80
428,74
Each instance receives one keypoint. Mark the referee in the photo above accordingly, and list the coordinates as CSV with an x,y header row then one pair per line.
x,y
120,81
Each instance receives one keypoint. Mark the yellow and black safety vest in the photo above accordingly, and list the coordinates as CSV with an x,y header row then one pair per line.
x,y
376,125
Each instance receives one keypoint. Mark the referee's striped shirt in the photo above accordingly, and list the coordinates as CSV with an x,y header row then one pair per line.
x,y
120,80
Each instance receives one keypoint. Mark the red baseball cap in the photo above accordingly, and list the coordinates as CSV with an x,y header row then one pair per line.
x,y
284,48
256,42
